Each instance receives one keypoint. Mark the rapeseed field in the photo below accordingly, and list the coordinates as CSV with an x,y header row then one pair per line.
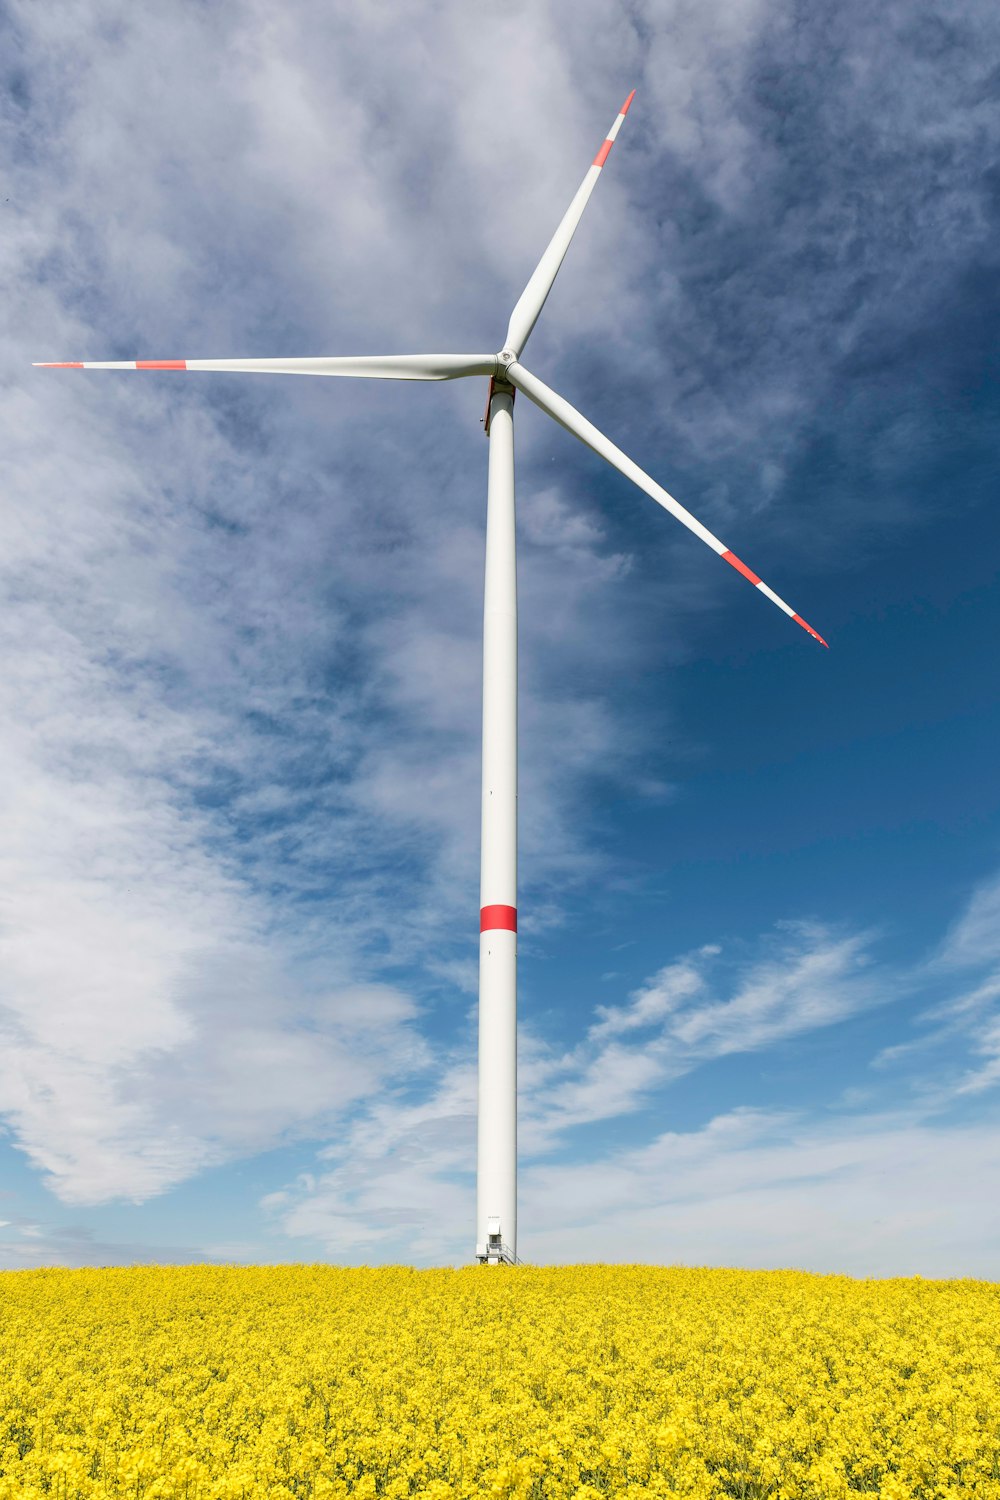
x,y
208,1382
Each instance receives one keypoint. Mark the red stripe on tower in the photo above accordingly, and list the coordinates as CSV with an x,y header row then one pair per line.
x,y
502,917
63,364
741,567
602,155
161,364
628,101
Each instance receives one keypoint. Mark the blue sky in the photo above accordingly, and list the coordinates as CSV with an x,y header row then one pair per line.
x,y
760,882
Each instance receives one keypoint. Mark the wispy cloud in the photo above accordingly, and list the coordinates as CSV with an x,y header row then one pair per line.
x,y
963,1024
397,1183
651,1005
810,980
843,1186
865,1192
241,716
870,1195
240,623
975,937
401,1169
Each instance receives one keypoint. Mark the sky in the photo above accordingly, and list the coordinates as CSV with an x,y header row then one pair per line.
x,y
759,891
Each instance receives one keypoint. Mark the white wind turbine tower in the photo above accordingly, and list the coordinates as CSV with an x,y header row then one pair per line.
x,y
496,1207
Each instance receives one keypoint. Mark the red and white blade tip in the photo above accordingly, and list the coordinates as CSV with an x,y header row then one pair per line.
x,y
814,633
609,139
741,567
115,364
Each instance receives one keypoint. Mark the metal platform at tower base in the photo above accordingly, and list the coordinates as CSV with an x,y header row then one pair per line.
x,y
497,1255
495,1252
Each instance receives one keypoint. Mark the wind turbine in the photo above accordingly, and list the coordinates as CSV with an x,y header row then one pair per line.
x,y
496,1207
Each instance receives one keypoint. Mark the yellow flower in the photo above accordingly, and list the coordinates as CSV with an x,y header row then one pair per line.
x,y
628,1382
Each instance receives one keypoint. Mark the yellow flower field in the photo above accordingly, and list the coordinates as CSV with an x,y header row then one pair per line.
x,y
584,1381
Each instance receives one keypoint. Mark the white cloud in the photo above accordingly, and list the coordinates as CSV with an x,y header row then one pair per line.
x,y
962,1027
395,1184
986,1043
235,647
241,619
854,1186
668,989
399,1164
975,937
867,1195
816,980
811,979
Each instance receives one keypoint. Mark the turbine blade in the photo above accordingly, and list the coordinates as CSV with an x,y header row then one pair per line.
x,y
532,299
567,416
366,366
